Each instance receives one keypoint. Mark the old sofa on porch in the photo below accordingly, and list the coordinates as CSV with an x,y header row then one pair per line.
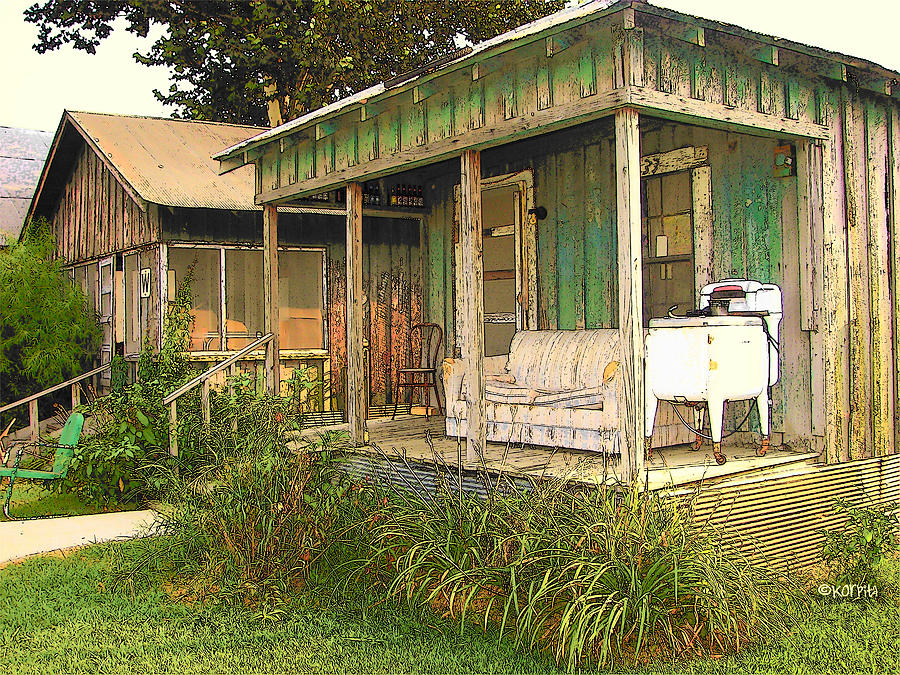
x,y
556,388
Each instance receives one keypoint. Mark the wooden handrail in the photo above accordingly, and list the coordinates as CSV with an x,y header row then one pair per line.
x,y
183,389
203,379
67,383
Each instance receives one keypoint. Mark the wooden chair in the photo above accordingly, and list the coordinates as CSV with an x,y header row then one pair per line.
x,y
65,451
428,337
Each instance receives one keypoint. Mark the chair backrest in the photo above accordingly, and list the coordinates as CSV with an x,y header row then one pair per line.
x,y
68,439
425,345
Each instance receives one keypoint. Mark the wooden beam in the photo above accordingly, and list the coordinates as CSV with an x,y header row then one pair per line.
x,y
835,71
767,54
356,381
326,128
881,329
835,318
701,198
270,296
558,43
894,233
631,330
680,159
424,91
471,301
482,68
703,113
695,35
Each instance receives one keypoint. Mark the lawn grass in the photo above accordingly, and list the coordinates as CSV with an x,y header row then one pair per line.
x,y
32,499
57,616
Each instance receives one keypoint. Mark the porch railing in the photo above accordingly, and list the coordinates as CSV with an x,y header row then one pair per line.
x,y
32,401
202,380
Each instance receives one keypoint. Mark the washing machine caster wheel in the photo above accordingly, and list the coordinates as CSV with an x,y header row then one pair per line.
x,y
697,444
717,453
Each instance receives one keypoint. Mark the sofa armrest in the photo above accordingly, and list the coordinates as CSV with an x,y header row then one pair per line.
x,y
495,365
454,372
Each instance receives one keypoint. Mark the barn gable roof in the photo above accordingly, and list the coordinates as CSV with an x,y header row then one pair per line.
x,y
157,160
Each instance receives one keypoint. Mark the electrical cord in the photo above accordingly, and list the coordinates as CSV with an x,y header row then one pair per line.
x,y
701,434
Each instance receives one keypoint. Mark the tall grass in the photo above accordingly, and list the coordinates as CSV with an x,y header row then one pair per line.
x,y
253,518
594,576
612,574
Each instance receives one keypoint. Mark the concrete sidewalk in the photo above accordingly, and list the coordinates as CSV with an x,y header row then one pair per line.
x,y
23,538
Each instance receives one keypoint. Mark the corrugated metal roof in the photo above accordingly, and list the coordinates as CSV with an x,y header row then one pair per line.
x,y
169,162
568,17
22,155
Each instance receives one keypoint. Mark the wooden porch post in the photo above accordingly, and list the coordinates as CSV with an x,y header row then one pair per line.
x,y
356,381
471,301
631,329
270,297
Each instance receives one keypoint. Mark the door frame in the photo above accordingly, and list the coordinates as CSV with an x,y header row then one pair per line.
x,y
525,244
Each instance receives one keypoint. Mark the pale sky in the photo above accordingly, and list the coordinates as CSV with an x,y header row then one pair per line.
x,y
37,87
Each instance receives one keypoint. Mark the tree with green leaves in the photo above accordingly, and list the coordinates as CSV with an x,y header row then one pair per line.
x,y
47,332
254,61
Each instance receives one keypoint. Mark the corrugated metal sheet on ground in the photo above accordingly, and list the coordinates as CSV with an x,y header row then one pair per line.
x,y
426,478
169,162
778,518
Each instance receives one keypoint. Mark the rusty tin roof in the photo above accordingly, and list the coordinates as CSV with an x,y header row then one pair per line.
x,y
158,160
22,155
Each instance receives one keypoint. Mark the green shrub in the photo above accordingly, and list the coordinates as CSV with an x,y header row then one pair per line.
x,y
47,333
128,429
594,576
257,515
853,551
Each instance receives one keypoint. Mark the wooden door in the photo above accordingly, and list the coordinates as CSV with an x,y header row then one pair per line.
x,y
508,254
668,243
106,311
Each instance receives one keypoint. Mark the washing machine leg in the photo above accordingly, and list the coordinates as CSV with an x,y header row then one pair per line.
x,y
762,406
716,415
699,416
648,448
717,452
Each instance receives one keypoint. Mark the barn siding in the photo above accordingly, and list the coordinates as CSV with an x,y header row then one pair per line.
x,y
95,216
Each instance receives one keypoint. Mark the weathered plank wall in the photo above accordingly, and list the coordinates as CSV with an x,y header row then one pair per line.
x,y
95,216
860,299
392,285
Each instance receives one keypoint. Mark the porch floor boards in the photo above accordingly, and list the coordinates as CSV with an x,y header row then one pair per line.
x,y
407,436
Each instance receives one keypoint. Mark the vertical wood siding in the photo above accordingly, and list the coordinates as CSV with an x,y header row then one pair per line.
x,y
756,223
95,216
393,288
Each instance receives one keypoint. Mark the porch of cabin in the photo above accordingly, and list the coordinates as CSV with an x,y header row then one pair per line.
x,y
421,442
711,204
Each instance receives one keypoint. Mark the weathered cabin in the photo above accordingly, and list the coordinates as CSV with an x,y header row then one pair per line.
x,y
665,151
22,154
136,201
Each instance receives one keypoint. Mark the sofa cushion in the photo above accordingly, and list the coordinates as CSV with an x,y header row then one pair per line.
x,y
587,397
506,392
